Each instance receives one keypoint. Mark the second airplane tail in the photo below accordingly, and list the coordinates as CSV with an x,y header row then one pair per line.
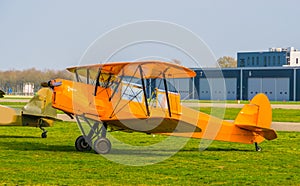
x,y
37,112
41,103
40,107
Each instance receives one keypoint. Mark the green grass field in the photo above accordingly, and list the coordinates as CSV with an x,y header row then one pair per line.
x,y
280,115
27,159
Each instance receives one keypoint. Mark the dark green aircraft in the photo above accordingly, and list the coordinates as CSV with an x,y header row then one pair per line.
x,y
38,112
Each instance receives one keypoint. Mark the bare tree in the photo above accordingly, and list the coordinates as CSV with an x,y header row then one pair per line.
x,y
15,79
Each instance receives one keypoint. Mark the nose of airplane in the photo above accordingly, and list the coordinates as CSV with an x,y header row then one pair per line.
x,y
51,84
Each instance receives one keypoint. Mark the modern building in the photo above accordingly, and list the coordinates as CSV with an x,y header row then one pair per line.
x,y
278,83
275,57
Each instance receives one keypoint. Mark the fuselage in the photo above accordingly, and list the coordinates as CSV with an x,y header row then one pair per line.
x,y
120,110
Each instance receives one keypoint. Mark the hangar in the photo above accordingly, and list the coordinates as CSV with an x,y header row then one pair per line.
x,y
275,73
278,83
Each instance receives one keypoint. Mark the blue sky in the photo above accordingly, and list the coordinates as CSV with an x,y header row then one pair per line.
x,y
54,34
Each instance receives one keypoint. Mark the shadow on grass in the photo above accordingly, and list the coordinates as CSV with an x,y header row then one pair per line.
x,y
35,146
229,149
164,152
39,146
218,149
14,136
142,152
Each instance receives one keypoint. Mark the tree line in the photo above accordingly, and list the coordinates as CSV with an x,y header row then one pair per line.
x,y
13,81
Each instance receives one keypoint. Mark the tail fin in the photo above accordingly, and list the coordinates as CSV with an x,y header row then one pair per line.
x,y
40,104
257,117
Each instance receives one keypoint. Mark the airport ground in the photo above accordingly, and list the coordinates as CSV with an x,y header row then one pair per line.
x,y
27,159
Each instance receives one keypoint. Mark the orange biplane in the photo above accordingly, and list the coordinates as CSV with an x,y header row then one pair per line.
x,y
138,96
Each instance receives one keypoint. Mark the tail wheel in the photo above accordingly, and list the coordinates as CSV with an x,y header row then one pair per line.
x,y
257,147
81,145
102,146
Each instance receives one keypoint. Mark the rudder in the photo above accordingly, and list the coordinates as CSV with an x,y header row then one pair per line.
x,y
257,117
40,104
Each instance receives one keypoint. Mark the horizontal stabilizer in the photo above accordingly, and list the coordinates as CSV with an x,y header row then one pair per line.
x,y
42,116
257,117
267,133
8,116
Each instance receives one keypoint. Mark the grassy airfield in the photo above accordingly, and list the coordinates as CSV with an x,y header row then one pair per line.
x,y
27,159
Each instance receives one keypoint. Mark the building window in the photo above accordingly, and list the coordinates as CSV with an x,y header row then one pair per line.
x,y
257,60
248,61
297,61
265,61
252,61
274,60
242,62
269,61
278,58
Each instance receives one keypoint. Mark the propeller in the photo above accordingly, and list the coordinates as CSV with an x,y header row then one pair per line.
x,y
51,84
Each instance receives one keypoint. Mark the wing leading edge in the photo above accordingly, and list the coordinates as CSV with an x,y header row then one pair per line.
x,y
150,69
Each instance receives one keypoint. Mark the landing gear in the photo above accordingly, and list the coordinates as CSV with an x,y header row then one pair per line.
x,y
44,133
257,148
93,135
40,125
81,145
102,146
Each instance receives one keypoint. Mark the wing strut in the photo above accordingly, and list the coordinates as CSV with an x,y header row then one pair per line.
x,y
116,88
77,76
167,96
87,76
144,90
97,81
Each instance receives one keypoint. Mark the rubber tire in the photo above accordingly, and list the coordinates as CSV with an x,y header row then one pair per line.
x,y
258,149
81,145
102,146
44,135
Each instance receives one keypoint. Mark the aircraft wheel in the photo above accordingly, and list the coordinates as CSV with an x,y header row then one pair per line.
x,y
81,145
44,135
102,146
257,147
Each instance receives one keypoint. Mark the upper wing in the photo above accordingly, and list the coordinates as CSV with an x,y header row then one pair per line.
x,y
149,69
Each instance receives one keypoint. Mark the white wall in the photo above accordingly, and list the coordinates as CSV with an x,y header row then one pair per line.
x,y
294,55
